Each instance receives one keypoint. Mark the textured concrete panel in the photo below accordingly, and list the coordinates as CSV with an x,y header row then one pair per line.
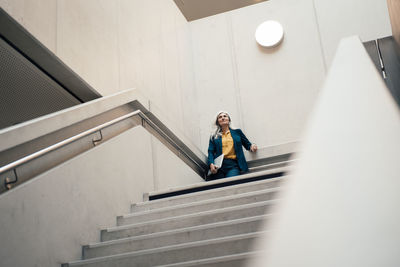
x,y
140,65
45,221
214,73
268,91
277,86
155,56
15,8
368,19
38,17
169,170
190,108
87,41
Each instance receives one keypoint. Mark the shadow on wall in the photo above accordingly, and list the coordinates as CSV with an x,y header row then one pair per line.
x,y
269,50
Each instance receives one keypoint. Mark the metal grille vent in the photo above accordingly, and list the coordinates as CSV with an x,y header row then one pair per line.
x,y
25,91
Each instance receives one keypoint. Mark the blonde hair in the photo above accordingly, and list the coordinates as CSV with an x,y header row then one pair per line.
x,y
218,131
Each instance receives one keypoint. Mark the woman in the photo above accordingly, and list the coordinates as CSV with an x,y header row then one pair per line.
x,y
229,142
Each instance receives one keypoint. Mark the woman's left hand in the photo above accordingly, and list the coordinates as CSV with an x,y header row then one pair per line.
x,y
253,148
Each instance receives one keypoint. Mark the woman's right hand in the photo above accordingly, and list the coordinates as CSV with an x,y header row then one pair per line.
x,y
213,169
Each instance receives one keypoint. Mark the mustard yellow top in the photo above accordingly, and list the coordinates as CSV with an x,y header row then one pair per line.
x,y
227,146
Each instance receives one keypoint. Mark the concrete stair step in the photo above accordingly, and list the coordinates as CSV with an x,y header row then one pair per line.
x,y
220,183
200,206
205,195
236,260
176,253
177,236
224,214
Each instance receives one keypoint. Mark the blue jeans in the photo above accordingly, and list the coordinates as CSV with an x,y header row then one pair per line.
x,y
229,168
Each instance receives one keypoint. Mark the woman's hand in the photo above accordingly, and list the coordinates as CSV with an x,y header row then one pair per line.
x,y
253,148
213,169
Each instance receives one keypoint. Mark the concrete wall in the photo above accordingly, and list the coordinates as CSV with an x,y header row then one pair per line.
x,y
191,70
38,17
61,210
45,221
270,92
369,19
115,45
168,170
340,205
123,44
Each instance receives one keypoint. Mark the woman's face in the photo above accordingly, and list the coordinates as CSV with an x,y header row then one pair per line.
x,y
223,119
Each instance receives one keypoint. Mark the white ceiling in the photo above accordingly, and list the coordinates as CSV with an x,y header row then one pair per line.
x,y
197,9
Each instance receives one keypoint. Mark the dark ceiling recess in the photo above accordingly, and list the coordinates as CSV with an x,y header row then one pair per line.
x,y
197,9
33,81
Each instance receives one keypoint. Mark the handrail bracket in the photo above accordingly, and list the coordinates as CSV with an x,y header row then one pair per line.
x,y
8,182
96,141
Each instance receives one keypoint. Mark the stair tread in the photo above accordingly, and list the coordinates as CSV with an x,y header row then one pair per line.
x,y
169,248
202,202
214,211
243,177
217,228
207,194
180,230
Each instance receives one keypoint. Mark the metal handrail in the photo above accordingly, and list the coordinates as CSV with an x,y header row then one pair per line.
x,y
63,143
161,132
46,150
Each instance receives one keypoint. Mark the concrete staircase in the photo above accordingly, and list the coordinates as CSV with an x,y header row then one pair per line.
x,y
214,227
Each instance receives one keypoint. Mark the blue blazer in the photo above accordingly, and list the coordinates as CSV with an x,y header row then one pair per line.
x,y
239,140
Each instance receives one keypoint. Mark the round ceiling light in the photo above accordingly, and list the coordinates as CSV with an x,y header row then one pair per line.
x,y
269,33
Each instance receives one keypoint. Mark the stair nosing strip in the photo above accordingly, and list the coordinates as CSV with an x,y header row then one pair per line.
x,y
198,203
208,212
271,180
172,247
179,230
142,203
223,180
